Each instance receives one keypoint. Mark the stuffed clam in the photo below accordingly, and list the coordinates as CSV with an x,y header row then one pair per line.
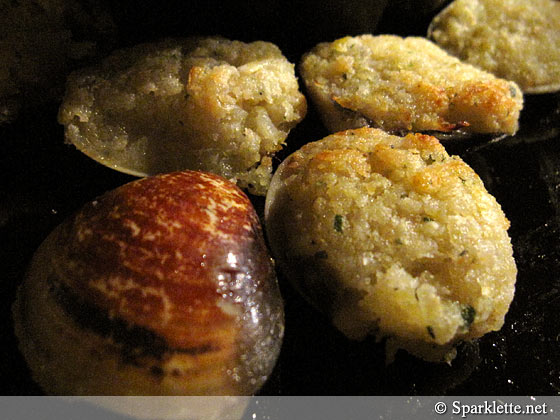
x,y
406,85
207,104
392,237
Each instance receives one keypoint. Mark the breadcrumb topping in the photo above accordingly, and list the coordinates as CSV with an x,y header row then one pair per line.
x,y
514,39
406,84
393,237
205,104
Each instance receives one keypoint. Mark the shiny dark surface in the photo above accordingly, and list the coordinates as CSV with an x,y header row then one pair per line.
x,y
44,181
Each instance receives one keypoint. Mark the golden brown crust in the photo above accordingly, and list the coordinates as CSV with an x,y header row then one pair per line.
x,y
208,104
517,40
406,84
393,237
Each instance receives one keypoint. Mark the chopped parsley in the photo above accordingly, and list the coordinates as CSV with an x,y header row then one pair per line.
x,y
427,219
512,91
431,332
468,314
338,219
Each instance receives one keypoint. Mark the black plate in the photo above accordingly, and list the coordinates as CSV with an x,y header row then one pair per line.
x,y
44,181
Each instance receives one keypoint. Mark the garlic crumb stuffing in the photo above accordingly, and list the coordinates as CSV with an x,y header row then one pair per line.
x,y
517,40
406,85
208,104
393,237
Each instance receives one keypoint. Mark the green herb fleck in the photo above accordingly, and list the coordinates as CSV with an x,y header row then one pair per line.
x,y
463,253
398,241
430,160
431,332
512,91
338,219
321,255
427,219
463,180
468,313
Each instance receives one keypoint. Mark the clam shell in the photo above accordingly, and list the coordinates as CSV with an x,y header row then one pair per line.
x,y
163,286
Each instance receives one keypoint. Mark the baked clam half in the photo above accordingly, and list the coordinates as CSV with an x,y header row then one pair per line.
x,y
163,286
208,104
516,40
392,237
405,85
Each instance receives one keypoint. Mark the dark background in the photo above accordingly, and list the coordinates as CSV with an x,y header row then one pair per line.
x,y
43,181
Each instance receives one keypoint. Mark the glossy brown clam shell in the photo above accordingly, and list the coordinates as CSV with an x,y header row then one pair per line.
x,y
168,280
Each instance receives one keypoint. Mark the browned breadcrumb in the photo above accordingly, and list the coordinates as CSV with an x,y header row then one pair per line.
x,y
518,40
201,103
393,237
406,84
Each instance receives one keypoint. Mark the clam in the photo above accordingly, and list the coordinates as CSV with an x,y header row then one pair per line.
x,y
163,286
